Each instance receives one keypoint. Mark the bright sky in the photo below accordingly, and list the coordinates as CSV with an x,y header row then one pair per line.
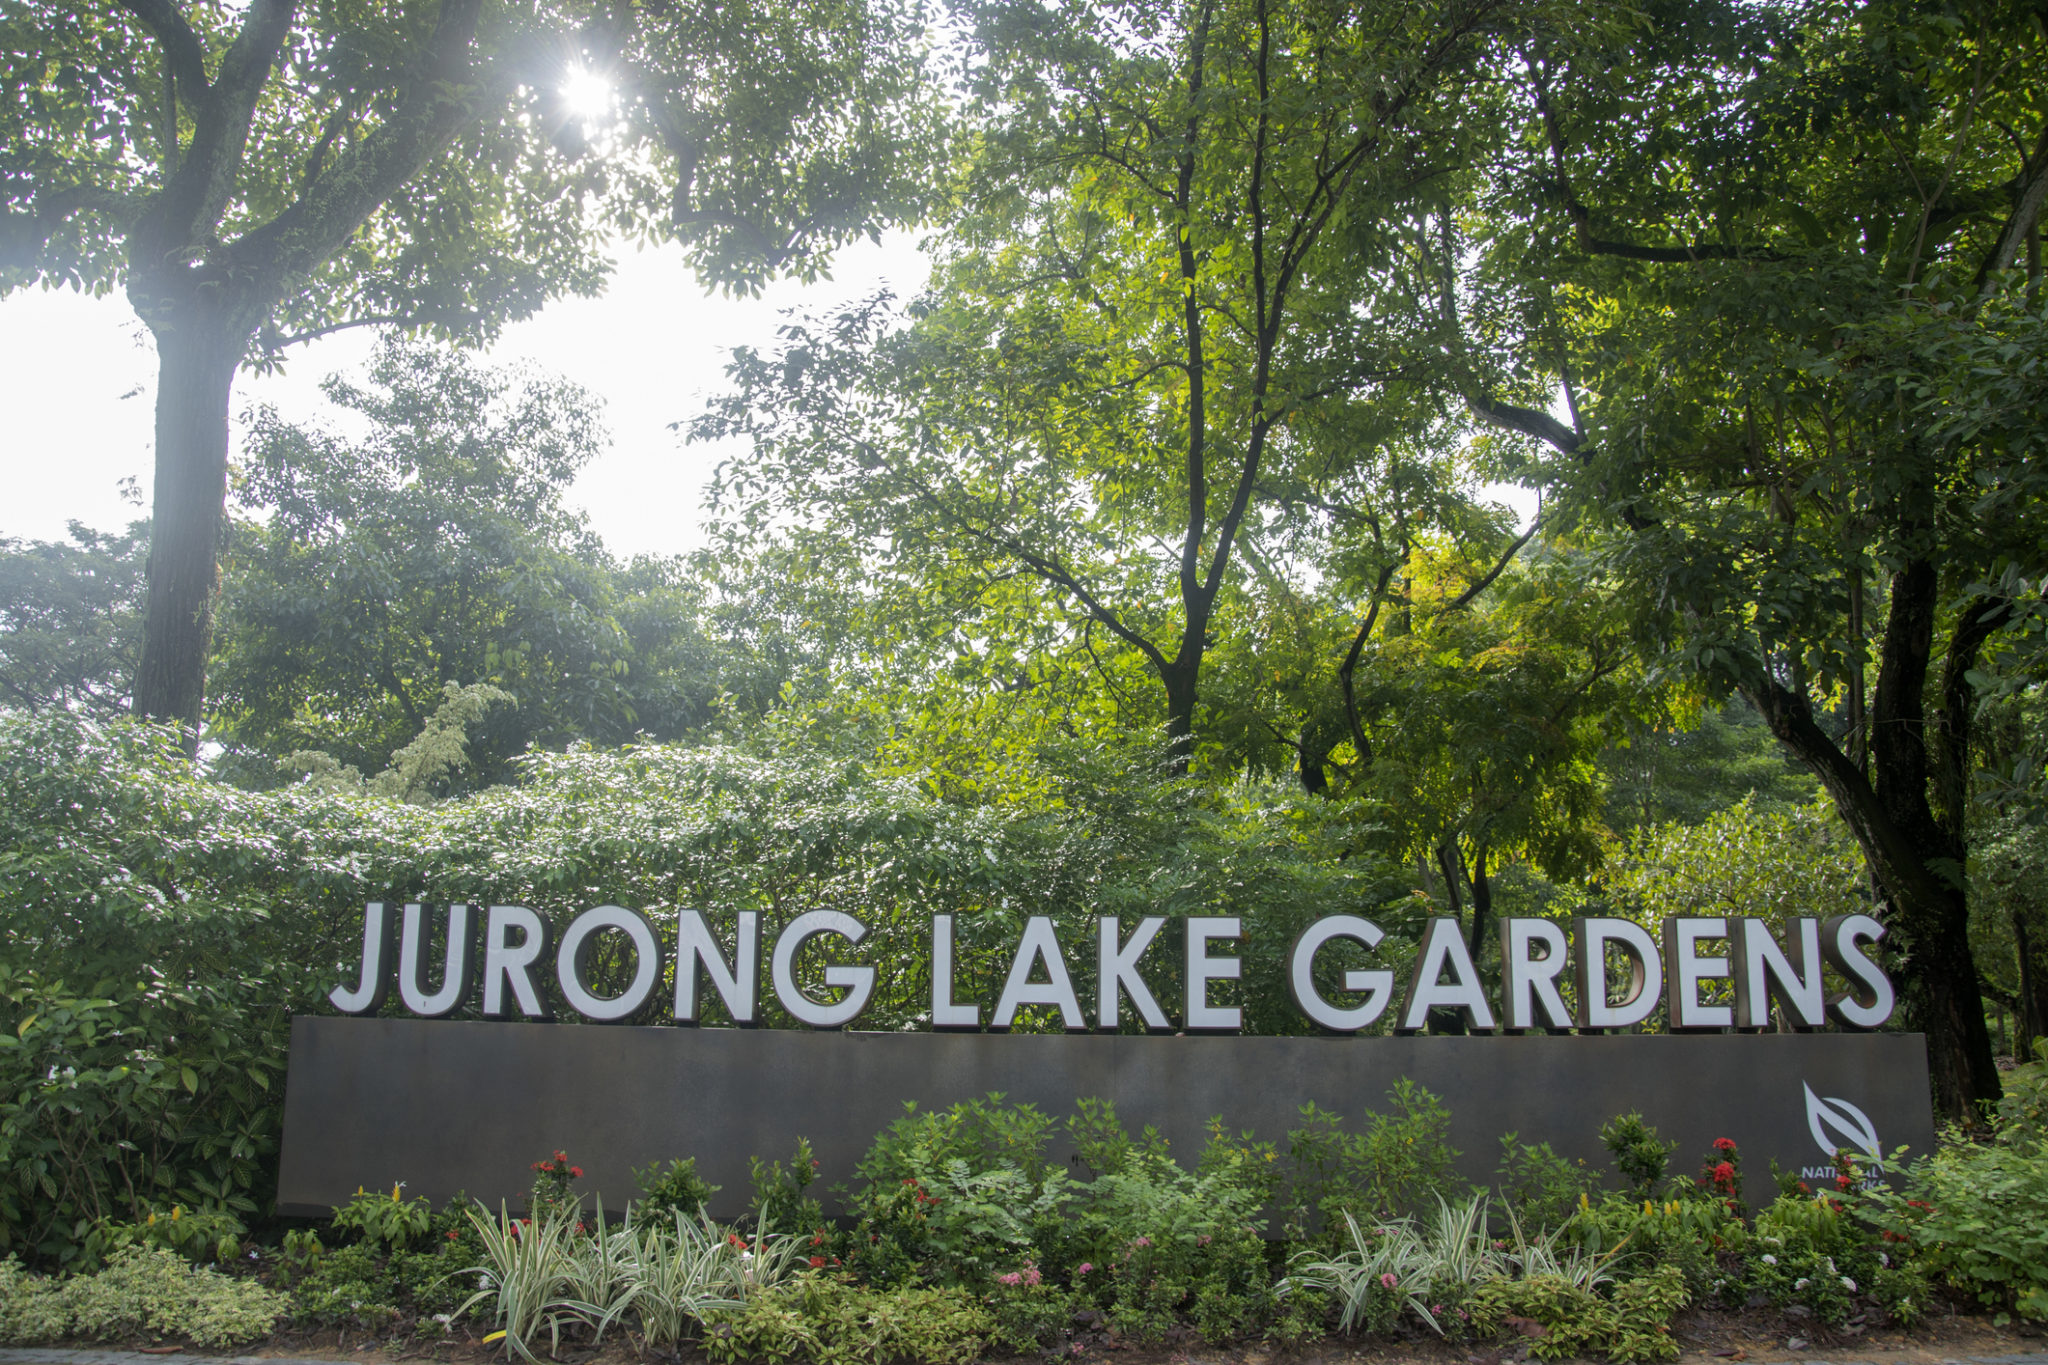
x,y
78,378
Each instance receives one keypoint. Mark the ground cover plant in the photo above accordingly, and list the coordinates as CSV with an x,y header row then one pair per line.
x,y
962,1239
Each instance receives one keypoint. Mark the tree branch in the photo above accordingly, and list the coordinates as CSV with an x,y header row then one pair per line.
x,y
1525,422
1464,599
183,55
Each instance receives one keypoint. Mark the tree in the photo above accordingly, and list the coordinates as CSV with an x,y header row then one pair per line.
x,y
1772,262
1183,229
70,619
259,174
433,550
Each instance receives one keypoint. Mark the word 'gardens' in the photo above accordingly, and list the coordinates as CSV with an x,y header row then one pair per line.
x,y
509,946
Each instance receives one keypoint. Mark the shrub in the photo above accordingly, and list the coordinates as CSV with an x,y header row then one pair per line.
x,y
830,1322
32,1311
781,1201
1541,1188
196,1234
389,1222
144,1290
1639,1155
1159,1242
664,1193
955,1195
1976,1215
1566,1319
1398,1166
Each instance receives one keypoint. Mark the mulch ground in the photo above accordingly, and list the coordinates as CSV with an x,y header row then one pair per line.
x,y
1705,1337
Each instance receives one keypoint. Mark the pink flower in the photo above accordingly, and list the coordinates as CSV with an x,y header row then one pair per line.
x,y
1387,1280
1203,1240
1083,1269
1142,1242
1013,1279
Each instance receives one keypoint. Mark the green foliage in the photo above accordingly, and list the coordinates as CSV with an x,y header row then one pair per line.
x,y
1639,1154
70,615
1540,1188
1632,1325
146,985
668,1191
954,1195
1976,1216
1766,862
1398,1166
195,1234
1431,1269
406,587
2023,1108
385,1222
832,1322
1151,1243
32,1307
158,1291
780,1200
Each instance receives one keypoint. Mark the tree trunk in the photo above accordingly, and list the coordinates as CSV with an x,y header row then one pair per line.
x,y
2030,940
1927,911
196,365
1180,678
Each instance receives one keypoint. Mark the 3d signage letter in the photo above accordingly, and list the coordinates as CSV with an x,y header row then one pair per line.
x,y
1607,973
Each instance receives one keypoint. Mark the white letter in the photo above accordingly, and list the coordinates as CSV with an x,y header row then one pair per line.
x,y
1201,1017
1117,970
1685,969
1301,975
1444,945
458,967
579,944
738,986
1527,982
1039,942
859,982
379,928
945,1013
508,967
1839,938
1589,954
1765,972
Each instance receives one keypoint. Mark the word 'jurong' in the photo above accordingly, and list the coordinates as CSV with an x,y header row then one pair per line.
x,y
1617,972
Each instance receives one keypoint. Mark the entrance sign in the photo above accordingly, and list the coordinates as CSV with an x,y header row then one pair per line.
x,y
448,1105
1763,975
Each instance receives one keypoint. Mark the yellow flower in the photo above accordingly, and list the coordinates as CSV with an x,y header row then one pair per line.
x,y
1672,1207
175,1212
394,1193
1585,1203
1647,1208
152,1217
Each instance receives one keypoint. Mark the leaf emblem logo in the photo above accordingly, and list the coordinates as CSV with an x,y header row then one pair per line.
x,y
1850,1126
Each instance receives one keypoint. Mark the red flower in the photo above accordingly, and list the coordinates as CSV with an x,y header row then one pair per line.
x,y
1842,1181
575,1172
1724,1174
817,1262
453,1236
1805,1188
1724,1144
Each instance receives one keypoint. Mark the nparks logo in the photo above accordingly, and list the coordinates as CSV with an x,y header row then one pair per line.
x,y
1838,1126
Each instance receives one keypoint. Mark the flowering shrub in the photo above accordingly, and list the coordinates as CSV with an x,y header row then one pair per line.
x,y
389,1221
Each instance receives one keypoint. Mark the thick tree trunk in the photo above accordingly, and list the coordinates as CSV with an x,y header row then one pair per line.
x,y
1915,859
195,376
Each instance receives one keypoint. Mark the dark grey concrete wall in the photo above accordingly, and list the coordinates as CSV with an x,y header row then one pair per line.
x,y
445,1105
